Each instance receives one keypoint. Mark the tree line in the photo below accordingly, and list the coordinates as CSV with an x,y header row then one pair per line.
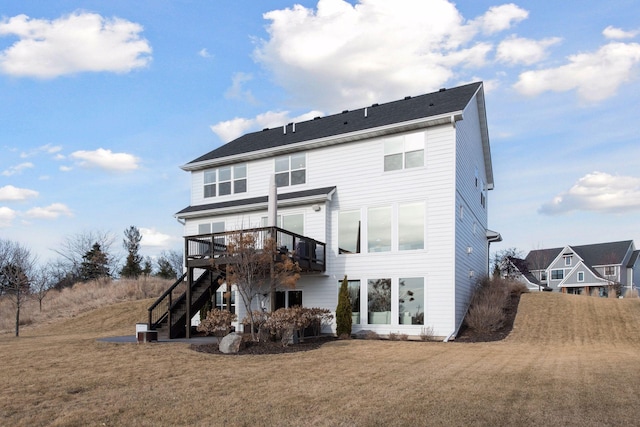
x,y
82,257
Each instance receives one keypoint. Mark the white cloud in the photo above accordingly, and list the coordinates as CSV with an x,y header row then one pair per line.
x,y
342,55
595,75
65,168
13,170
500,18
236,91
11,193
74,43
105,159
152,237
52,211
231,129
597,191
612,32
7,216
204,53
48,148
517,50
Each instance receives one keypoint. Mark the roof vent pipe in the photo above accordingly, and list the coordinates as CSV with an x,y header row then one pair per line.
x,y
284,129
365,111
294,127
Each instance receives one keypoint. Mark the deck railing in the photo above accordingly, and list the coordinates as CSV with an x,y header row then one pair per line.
x,y
309,253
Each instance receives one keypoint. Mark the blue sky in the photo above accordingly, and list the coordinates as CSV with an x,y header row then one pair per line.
x,y
101,102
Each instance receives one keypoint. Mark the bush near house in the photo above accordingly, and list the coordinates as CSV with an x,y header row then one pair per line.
x,y
489,302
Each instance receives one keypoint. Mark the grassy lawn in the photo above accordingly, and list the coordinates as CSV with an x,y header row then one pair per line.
x,y
570,360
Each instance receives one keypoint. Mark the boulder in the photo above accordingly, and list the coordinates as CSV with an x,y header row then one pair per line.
x,y
231,343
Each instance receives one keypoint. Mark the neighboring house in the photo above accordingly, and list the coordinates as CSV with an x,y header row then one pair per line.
x,y
588,269
394,196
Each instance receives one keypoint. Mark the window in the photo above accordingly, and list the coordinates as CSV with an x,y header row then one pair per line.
x,y
349,232
557,274
543,275
379,301
404,152
286,299
225,300
290,170
354,298
225,180
580,276
209,228
411,226
379,229
567,260
411,301
610,270
293,223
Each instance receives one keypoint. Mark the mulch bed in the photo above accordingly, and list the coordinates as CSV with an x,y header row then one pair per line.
x,y
466,334
268,347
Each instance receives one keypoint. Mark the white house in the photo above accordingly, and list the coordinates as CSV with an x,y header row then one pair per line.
x,y
393,195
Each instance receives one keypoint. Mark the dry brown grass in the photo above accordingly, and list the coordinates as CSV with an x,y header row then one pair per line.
x,y
560,366
78,299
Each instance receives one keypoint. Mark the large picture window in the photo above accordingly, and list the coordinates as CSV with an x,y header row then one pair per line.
x,y
411,226
225,180
557,274
349,232
379,301
379,229
291,170
411,301
404,152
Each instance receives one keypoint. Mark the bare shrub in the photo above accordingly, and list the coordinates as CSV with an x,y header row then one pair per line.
x,y
285,322
393,336
371,335
427,333
515,287
217,322
487,309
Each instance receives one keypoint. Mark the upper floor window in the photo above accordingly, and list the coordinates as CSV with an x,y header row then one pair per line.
x,y
543,275
580,276
567,260
291,170
411,226
610,270
225,180
404,152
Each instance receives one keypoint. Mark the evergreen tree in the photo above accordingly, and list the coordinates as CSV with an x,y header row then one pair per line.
x,y
343,311
95,264
165,269
132,268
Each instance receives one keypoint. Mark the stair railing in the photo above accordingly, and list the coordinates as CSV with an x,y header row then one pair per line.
x,y
160,309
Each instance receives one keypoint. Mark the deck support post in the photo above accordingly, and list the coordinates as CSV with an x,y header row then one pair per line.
x,y
188,308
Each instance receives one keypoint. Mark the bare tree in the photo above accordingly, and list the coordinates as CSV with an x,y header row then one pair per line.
x,y
42,280
16,267
501,262
255,267
74,248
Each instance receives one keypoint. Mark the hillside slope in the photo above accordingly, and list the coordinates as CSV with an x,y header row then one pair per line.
x,y
551,318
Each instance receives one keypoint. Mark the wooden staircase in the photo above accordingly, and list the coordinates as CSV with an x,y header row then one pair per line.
x,y
168,315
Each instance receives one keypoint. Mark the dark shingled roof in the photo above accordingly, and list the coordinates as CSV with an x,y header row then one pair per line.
x,y
596,254
633,259
257,200
410,108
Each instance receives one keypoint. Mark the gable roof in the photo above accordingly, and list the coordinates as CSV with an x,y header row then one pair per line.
x,y
633,259
604,253
441,103
540,259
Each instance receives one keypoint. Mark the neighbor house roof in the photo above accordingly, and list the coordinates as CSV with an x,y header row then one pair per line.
x,y
611,253
441,103
633,259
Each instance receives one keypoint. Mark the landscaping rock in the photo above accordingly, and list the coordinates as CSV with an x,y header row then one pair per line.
x,y
231,343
